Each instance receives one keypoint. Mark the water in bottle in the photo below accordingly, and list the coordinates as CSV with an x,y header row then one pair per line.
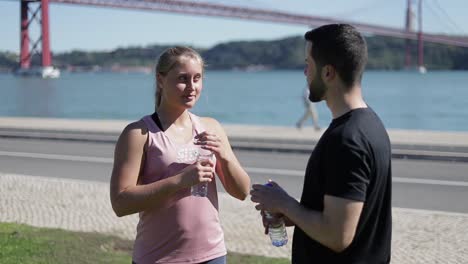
x,y
276,228
201,189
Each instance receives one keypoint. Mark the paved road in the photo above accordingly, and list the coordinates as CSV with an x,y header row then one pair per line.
x,y
418,184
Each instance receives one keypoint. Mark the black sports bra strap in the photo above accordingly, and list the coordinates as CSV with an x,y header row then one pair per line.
x,y
156,120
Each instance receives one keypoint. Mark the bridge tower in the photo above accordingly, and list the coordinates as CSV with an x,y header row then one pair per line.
x,y
421,67
409,28
46,70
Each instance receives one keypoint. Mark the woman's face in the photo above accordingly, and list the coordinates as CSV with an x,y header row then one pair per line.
x,y
182,85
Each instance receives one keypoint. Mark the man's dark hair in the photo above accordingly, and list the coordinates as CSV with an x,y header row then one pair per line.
x,y
341,46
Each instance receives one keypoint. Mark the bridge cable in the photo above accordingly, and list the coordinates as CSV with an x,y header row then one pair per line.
x,y
453,27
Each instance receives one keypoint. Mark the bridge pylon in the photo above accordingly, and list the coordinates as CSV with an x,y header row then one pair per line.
x,y
409,28
28,49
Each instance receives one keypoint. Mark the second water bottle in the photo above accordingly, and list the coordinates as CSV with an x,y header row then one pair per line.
x,y
276,228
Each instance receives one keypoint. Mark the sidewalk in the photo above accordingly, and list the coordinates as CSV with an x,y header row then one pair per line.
x,y
417,144
418,236
112,128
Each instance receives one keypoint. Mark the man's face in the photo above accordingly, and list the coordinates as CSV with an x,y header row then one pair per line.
x,y
317,88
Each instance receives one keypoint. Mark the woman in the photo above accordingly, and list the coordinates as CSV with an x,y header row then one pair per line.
x,y
155,165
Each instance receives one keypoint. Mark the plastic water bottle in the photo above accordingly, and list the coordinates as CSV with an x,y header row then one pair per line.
x,y
201,189
276,228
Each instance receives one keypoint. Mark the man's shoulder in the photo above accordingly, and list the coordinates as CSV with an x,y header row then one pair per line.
x,y
354,134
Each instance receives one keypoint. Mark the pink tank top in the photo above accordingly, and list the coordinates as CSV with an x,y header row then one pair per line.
x,y
186,229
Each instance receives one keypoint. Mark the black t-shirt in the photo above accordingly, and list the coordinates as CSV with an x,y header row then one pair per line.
x,y
352,160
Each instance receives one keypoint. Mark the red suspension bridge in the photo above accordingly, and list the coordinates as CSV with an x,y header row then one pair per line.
x,y
41,15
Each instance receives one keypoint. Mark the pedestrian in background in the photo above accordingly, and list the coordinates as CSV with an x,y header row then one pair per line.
x,y
310,111
155,166
344,214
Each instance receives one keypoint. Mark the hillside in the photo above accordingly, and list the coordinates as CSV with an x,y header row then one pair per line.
x,y
288,53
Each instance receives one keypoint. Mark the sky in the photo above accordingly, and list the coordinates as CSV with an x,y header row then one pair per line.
x,y
75,27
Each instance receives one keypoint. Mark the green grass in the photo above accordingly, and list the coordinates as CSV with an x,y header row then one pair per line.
x,y
25,244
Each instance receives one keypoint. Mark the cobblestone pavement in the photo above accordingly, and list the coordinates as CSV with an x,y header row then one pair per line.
x,y
418,236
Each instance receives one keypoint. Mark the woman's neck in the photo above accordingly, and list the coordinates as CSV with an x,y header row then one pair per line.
x,y
174,117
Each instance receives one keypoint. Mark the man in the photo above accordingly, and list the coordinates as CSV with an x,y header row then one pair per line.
x,y
344,215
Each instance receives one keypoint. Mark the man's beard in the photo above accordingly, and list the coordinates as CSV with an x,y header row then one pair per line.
x,y
317,90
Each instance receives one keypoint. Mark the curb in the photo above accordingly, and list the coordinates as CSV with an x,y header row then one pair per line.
x,y
399,151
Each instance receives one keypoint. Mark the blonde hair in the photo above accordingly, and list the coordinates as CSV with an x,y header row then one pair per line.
x,y
168,59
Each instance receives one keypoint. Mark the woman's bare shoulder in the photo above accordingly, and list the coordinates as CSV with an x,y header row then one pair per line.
x,y
210,123
135,130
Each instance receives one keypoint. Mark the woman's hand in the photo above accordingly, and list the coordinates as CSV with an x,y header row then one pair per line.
x,y
200,171
210,141
235,180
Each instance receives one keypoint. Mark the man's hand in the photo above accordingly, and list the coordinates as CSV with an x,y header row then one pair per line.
x,y
272,198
